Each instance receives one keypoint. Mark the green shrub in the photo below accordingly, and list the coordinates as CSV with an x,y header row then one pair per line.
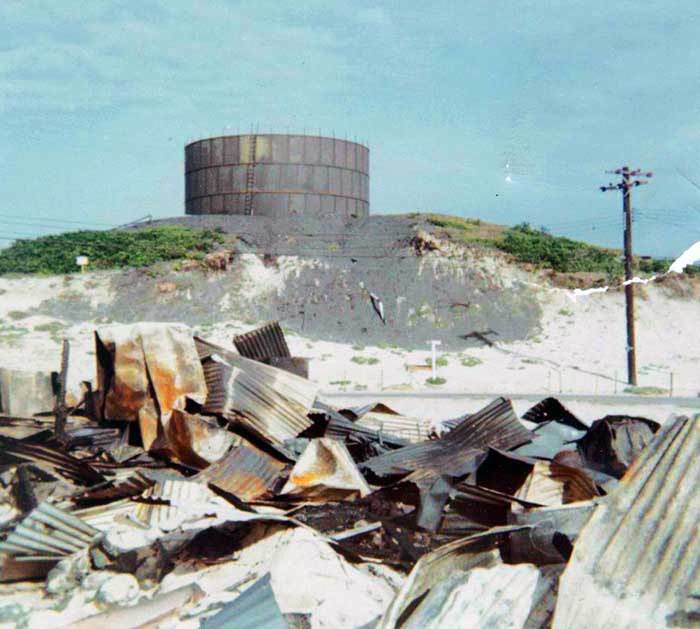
x,y
440,362
471,361
565,312
15,315
435,381
531,245
365,360
106,249
646,390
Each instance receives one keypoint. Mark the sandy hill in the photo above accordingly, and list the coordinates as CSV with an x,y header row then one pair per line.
x,y
435,281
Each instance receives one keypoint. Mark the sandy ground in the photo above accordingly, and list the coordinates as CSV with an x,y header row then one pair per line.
x,y
580,348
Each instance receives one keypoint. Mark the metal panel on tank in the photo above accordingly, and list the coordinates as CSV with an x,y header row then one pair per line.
x,y
290,175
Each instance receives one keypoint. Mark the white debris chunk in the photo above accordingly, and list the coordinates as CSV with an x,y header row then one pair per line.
x,y
121,589
690,256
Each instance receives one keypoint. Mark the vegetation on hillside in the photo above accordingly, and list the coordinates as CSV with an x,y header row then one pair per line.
x,y
106,249
544,250
561,254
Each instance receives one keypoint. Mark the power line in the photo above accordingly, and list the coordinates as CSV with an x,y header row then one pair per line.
x,y
54,220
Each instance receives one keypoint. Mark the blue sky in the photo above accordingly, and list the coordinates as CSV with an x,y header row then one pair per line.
x,y
508,111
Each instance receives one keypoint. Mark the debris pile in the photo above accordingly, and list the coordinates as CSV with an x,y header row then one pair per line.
x,y
206,486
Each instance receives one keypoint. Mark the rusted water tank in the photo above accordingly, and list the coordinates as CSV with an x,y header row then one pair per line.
x,y
280,176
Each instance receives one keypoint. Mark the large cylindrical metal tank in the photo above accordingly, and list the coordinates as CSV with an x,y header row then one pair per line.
x,y
280,176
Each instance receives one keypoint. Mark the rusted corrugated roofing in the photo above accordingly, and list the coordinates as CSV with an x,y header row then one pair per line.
x,y
264,342
340,427
146,370
456,452
133,485
325,468
270,402
635,563
72,468
413,429
48,533
245,472
614,442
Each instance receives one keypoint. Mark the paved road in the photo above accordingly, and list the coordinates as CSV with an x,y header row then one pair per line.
x,y
444,404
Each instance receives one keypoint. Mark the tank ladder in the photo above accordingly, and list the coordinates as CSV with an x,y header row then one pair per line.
x,y
250,176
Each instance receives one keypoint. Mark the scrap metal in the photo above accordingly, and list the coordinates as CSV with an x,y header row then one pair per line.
x,y
325,470
613,442
14,451
271,403
263,342
25,393
48,533
146,371
245,471
457,451
634,563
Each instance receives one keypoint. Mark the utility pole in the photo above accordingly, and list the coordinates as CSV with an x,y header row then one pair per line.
x,y
626,184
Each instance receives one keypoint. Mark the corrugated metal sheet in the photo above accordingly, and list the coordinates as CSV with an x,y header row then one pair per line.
x,y
146,370
456,452
103,517
270,402
163,502
412,429
25,393
47,456
245,472
325,468
636,563
551,484
48,533
340,427
256,608
263,342
495,596
133,485
614,442
551,409
476,551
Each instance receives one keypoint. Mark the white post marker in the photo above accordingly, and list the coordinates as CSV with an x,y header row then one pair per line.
x,y
82,262
433,346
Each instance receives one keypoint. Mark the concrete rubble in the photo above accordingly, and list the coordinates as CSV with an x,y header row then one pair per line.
x,y
196,485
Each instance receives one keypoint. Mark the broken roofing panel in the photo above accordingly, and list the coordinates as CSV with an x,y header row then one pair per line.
x,y
457,451
256,608
550,409
245,472
25,393
635,563
450,561
147,370
49,457
195,441
270,402
48,533
614,442
264,342
412,429
326,470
